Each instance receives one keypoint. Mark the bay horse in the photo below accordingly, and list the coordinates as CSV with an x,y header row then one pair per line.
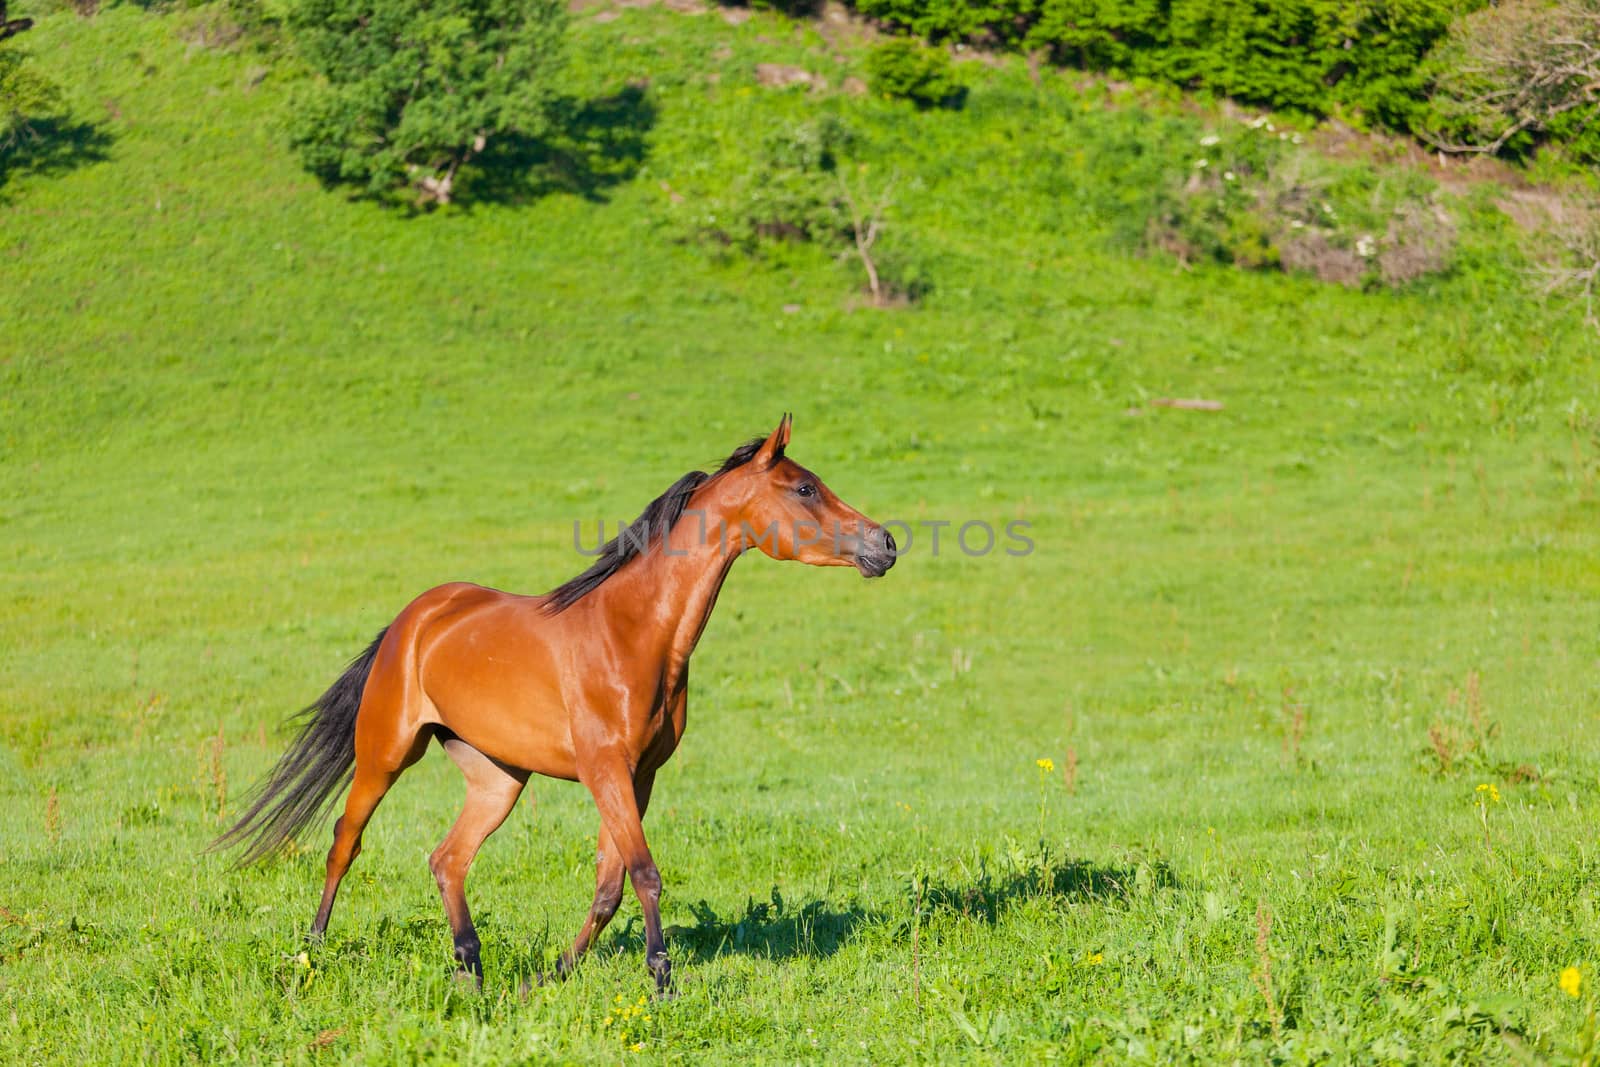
x,y
586,683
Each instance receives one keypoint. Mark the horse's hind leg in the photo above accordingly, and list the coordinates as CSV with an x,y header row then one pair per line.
x,y
373,777
492,791
365,793
608,880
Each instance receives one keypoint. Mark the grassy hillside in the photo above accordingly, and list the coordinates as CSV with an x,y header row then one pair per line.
x,y
243,420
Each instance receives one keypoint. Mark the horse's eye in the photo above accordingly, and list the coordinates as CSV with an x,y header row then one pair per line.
x,y
807,489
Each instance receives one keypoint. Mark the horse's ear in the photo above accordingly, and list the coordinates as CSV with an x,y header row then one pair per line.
x,y
772,448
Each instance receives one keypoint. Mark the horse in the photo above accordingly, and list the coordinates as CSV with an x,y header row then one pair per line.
x,y
586,683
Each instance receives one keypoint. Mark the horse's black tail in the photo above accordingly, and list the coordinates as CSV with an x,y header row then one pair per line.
x,y
317,766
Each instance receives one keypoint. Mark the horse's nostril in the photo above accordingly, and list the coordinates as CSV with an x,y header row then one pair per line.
x,y
888,540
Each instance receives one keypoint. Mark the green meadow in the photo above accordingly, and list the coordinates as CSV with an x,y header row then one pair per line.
x,y
1280,746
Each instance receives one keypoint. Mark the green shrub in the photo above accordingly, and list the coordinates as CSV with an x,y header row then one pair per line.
x,y
1363,57
792,8
905,273
903,69
1253,198
791,192
1098,36
411,90
1506,78
1209,206
804,189
784,189
999,21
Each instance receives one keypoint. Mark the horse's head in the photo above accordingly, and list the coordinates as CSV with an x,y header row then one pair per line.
x,y
785,510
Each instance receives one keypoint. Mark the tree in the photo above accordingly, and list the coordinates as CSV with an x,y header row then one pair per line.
x,y
1513,75
865,226
410,91
24,93
10,27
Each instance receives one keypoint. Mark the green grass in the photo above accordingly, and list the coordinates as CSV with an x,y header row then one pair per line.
x,y
243,420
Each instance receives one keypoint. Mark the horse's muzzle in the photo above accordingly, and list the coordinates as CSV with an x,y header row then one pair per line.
x,y
877,553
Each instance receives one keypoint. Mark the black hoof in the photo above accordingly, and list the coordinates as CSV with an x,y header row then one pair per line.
x,y
469,964
540,979
661,969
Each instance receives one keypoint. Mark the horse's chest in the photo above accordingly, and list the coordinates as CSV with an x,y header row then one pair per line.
x,y
665,724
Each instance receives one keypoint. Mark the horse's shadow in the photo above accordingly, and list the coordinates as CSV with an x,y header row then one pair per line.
x,y
986,897
779,929
770,928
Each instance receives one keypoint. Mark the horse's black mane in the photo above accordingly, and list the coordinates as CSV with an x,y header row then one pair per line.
x,y
658,517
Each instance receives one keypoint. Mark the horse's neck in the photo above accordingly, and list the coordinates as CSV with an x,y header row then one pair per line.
x,y
673,588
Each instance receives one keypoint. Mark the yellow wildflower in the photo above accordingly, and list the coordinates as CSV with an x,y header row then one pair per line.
x,y
1096,958
1492,790
1571,981
1048,766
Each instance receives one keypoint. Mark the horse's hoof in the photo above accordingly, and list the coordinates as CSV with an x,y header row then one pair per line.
x,y
540,979
661,970
472,981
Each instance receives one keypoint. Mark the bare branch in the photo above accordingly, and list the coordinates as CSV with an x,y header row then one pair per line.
x,y
1513,69
866,230
1575,226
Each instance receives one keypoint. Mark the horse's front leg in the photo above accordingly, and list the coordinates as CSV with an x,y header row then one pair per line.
x,y
621,814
